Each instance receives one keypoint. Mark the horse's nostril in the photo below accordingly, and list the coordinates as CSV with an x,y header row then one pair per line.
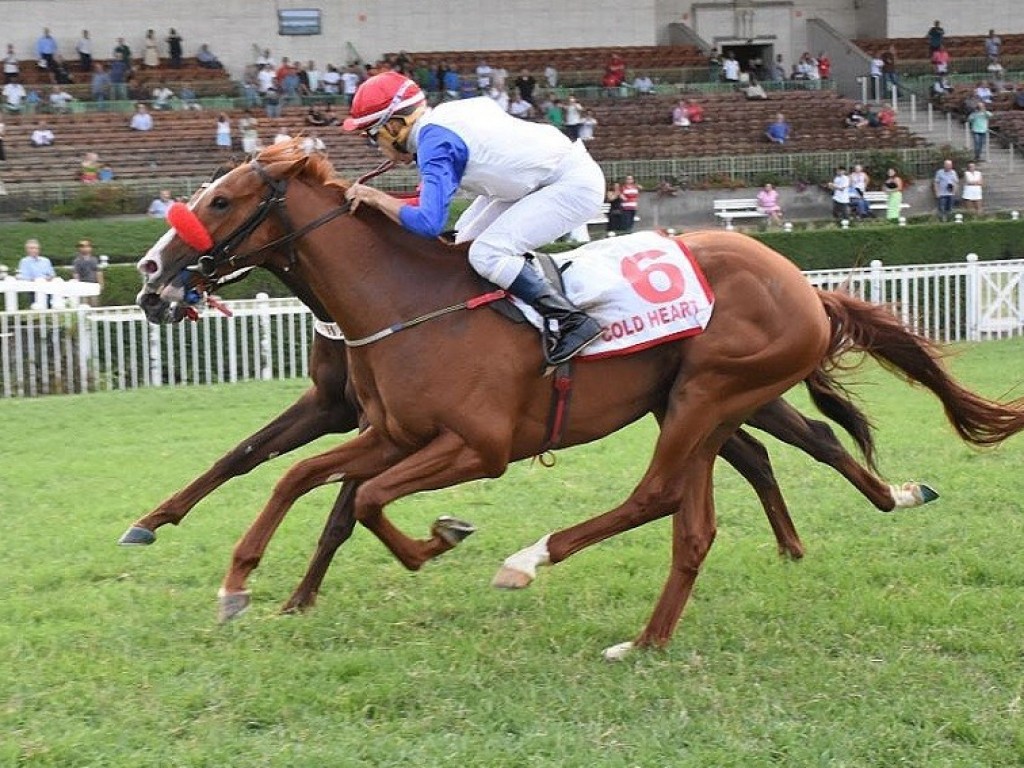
x,y
148,266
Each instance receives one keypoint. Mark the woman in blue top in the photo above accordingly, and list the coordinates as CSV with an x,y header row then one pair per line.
x,y
532,184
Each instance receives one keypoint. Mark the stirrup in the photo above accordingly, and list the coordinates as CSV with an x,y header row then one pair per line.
x,y
553,355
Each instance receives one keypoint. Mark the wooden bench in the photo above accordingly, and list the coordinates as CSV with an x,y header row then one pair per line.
x,y
738,208
879,201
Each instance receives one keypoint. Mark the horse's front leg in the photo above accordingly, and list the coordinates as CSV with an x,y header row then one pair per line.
x,y
339,526
307,419
445,461
362,457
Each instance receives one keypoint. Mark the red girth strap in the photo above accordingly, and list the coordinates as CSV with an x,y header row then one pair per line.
x,y
558,415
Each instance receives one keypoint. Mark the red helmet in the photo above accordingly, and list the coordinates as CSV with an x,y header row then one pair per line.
x,y
379,99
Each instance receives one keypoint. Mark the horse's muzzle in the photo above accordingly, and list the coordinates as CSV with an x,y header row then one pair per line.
x,y
158,310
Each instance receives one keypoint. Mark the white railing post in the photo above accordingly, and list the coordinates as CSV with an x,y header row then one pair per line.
x,y
973,298
913,107
931,117
232,350
263,323
949,128
84,347
156,365
877,276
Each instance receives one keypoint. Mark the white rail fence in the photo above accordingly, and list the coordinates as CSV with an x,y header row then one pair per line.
x,y
86,349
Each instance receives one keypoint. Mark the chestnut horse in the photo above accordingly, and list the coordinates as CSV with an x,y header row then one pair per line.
x,y
328,407
459,397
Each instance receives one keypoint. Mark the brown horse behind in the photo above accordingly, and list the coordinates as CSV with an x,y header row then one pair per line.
x,y
460,397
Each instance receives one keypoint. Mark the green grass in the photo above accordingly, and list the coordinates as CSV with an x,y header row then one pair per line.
x,y
895,642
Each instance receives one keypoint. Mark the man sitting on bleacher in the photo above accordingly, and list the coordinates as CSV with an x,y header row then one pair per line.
x,y
778,131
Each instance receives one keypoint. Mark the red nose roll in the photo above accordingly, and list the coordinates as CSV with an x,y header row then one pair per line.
x,y
189,227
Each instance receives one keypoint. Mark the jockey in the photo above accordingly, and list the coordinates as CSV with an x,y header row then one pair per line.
x,y
533,186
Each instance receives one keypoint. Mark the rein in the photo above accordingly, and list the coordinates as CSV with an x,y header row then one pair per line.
x,y
473,303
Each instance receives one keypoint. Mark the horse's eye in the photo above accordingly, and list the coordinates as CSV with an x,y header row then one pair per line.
x,y
220,203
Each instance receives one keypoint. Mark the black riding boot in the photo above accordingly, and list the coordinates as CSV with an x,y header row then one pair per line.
x,y
567,328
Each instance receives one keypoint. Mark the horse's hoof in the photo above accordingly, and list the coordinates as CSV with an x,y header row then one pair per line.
x,y
912,494
451,529
298,605
137,537
618,652
231,605
927,493
510,578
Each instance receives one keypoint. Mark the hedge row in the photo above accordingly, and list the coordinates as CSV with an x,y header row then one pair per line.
x,y
822,248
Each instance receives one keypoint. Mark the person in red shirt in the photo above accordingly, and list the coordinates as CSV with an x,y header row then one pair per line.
x,y
824,65
614,72
630,202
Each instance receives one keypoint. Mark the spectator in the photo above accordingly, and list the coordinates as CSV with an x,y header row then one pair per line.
x,y
587,125
940,60
768,203
118,74
249,127
142,120
499,96
123,53
33,265
778,131
993,46
777,70
555,114
520,107
32,101
876,75
106,173
483,76
272,102
188,99
730,68
315,115
982,93
614,71
174,41
160,205
46,48
84,50
265,79
856,118
11,66
681,114
643,85
85,268
824,66
525,84
978,123
695,111
616,220
893,186
60,101
945,186
99,87
451,85
42,136
14,96
551,76
573,116
206,59
936,34
60,73
162,96
90,171
223,132
754,91
890,76
349,82
859,181
973,184
150,52
630,203
264,59
840,186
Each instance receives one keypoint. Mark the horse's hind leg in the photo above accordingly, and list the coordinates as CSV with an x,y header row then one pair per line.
x,y
750,458
339,526
817,439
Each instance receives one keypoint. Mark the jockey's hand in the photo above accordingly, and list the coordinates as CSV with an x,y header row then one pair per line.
x,y
375,198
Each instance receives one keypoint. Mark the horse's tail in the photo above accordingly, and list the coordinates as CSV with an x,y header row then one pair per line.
x,y
858,325
834,401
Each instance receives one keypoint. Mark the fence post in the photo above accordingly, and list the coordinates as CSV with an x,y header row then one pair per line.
x,y
263,323
156,366
973,298
84,347
876,282
232,350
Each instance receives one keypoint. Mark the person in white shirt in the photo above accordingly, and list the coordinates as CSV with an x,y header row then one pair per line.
x,y
840,186
483,76
162,96
643,85
11,67
520,107
84,50
730,68
314,77
60,101
14,96
42,136
141,120
349,82
160,205
551,76
500,97
265,78
587,125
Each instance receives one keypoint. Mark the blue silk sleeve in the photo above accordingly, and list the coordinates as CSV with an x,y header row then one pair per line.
x,y
441,157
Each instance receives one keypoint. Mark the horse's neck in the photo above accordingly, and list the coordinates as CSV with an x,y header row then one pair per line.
x,y
368,273
302,292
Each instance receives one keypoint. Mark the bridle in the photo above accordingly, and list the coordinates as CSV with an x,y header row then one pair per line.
x,y
223,253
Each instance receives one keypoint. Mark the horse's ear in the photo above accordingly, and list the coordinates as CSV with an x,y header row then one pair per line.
x,y
293,165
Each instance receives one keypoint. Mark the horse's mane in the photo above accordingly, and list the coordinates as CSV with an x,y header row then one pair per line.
x,y
314,166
